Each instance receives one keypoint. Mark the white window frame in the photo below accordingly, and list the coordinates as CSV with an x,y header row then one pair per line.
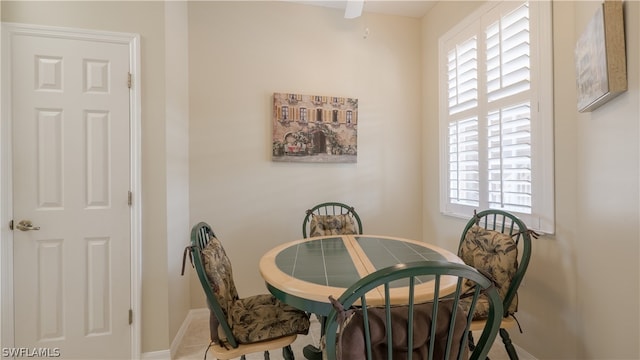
x,y
542,216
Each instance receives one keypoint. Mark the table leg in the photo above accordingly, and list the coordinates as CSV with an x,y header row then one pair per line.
x,y
312,352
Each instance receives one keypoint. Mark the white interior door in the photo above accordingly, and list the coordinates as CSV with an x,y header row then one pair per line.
x,y
71,181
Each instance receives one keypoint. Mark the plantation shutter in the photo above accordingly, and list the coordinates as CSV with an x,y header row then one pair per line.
x,y
509,111
462,70
496,113
489,112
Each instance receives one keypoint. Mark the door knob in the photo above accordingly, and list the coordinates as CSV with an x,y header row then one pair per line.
x,y
26,225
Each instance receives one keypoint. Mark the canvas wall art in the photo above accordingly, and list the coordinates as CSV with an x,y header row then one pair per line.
x,y
601,70
313,128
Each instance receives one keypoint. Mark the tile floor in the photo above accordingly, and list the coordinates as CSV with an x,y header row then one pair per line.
x,y
196,341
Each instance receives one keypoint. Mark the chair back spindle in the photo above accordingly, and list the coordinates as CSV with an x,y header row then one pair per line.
x,y
448,325
331,218
498,243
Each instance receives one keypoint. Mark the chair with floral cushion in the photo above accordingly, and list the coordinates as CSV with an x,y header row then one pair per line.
x,y
240,326
331,218
498,244
436,329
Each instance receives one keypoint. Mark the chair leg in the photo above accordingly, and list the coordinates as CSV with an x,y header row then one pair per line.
x,y
508,345
311,352
213,326
471,344
266,355
287,353
242,357
322,320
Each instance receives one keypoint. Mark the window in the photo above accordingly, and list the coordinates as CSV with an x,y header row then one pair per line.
x,y
496,114
303,114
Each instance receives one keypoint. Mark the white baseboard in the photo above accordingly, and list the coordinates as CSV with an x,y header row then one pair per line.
x,y
523,354
175,344
156,355
192,314
499,352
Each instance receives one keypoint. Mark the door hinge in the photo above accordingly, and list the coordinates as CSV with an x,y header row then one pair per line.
x,y
11,225
129,80
130,198
130,316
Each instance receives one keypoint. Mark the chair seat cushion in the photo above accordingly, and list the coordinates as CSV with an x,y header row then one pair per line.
x,y
263,317
495,254
251,319
321,225
351,341
219,273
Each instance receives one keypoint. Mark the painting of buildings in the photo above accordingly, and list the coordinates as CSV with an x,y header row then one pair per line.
x,y
311,128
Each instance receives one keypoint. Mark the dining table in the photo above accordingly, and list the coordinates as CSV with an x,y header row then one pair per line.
x,y
304,273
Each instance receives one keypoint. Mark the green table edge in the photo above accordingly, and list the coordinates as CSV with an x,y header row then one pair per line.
x,y
311,306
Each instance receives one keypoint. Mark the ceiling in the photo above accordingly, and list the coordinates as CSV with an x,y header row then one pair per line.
x,y
411,8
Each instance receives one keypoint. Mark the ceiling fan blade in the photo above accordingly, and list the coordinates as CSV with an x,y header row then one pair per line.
x,y
353,9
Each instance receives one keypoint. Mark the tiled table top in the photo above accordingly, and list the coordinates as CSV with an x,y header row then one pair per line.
x,y
305,272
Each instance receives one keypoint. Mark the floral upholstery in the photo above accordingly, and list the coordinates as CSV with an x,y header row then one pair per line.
x,y
321,225
252,319
263,317
219,273
495,254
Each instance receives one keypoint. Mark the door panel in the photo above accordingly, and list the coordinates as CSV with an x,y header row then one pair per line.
x,y
71,154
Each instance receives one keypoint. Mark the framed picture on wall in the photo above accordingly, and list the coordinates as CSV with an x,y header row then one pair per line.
x,y
314,128
601,67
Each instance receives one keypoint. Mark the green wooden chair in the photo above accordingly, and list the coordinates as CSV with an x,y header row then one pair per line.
x,y
499,244
239,326
361,332
331,218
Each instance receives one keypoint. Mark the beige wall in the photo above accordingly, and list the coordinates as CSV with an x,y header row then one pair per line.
x,y
240,53
608,215
177,157
146,18
2,190
579,299
243,52
253,203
